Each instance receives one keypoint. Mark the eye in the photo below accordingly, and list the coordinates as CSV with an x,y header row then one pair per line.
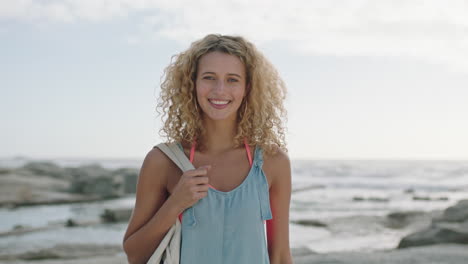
x,y
208,78
232,80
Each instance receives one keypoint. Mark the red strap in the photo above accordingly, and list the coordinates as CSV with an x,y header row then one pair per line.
x,y
192,151
247,148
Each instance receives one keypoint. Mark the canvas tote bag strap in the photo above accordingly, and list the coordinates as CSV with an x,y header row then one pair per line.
x,y
173,151
177,155
168,251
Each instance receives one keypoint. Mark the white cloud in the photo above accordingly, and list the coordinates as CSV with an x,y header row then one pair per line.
x,y
432,30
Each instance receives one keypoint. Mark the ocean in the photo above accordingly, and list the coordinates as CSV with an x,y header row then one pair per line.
x,y
350,198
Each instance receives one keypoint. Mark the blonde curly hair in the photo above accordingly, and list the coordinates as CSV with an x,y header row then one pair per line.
x,y
261,114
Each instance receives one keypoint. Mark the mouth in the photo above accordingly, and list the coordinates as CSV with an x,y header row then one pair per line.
x,y
218,103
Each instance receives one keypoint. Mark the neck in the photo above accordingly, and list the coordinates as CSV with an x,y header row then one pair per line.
x,y
219,136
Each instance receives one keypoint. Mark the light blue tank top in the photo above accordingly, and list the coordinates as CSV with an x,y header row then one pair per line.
x,y
228,227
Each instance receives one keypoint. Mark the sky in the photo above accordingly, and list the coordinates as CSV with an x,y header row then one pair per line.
x,y
366,79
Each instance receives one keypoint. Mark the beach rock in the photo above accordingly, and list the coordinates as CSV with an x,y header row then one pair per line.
x,y
65,251
70,223
428,198
42,183
421,198
456,213
116,215
93,170
20,230
397,220
39,255
30,189
450,227
128,178
103,186
371,199
440,254
5,171
358,198
437,234
309,222
93,179
45,168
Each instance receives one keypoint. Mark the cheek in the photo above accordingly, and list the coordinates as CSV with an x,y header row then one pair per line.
x,y
200,91
239,93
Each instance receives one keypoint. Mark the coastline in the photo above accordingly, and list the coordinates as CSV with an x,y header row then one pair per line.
x,y
102,254
430,236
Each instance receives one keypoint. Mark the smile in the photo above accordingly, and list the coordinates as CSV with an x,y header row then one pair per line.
x,y
219,104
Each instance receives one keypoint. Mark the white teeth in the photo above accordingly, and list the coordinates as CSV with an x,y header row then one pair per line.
x,y
218,102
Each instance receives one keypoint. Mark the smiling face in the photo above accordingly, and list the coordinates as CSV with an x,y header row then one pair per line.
x,y
220,85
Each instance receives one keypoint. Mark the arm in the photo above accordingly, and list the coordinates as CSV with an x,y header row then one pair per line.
x,y
279,169
154,213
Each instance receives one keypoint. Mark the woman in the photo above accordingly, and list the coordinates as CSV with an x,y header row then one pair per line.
x,y
223,103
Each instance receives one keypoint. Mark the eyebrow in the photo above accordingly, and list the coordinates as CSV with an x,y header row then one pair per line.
x,y
235,74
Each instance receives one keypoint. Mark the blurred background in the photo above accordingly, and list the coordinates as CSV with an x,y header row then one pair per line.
x,y
377,109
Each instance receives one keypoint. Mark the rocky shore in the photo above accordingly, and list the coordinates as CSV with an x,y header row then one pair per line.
x,y
432,237
437,254
442,238
45,183
101,254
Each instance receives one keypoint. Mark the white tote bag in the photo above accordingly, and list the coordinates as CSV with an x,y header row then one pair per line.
x,y
168,251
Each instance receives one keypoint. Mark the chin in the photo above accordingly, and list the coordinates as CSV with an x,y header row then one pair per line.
x,y
219,117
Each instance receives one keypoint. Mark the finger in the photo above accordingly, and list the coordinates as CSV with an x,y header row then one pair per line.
x,y
201,188
196,172
206,167
200,180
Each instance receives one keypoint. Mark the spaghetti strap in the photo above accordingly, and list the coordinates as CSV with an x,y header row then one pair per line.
x,y
192,151
247,148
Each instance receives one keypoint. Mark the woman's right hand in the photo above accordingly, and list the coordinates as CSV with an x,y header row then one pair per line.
x,y
192,186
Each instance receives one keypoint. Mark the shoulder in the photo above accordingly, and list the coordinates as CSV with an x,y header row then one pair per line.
x,y
156,165
278,158
156,158
277,165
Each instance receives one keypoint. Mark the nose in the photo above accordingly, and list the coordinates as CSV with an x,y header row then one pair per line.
x,y
220,85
